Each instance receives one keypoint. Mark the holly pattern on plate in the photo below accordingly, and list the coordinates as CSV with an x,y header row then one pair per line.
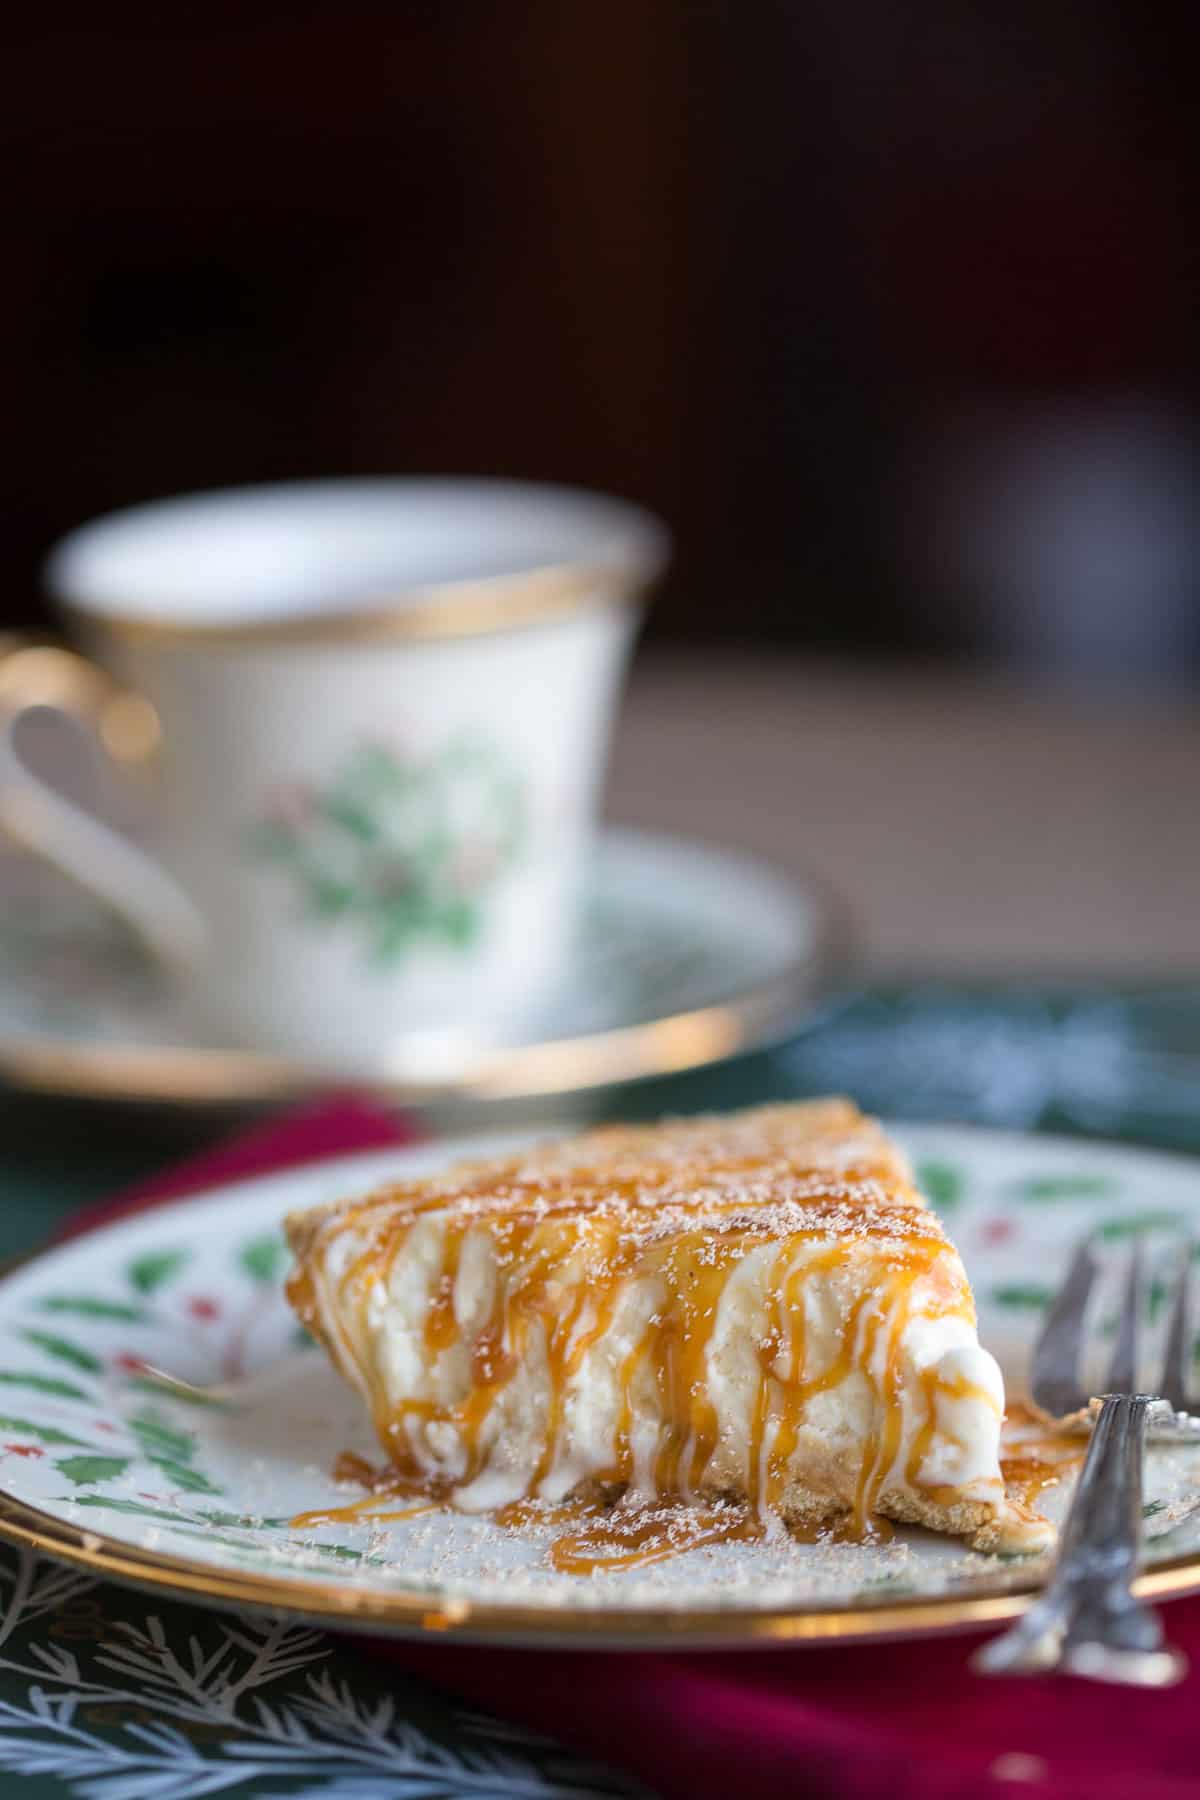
x,y
150,1294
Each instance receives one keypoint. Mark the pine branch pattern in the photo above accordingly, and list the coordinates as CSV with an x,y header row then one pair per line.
x,y
176,1706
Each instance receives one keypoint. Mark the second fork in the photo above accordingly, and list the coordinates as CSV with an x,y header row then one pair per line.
x,y
1088,1620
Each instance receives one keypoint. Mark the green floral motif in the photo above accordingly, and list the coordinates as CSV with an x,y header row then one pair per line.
x,y
172,1515
88,1306
43,1384
64,1350
1044,1188
215,1526
158,1437
399,848
45,1434
152,1271
181,1476
1132,1223
263,1258
1022,1294
943,1182
86,1470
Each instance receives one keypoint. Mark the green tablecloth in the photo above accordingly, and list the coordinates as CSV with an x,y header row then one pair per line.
x,y
106,1695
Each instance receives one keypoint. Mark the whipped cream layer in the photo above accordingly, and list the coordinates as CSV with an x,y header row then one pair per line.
x,y
759,1307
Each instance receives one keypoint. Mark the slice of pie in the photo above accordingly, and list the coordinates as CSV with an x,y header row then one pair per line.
x,y
759,1306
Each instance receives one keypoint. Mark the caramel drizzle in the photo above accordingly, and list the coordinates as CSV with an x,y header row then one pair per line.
x,y
1036,1456
540,1222
382,1485
631,1539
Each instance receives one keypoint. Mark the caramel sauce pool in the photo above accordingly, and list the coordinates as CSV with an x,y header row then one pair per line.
x,y
382,1485
599,1536
632,1539
1035,1457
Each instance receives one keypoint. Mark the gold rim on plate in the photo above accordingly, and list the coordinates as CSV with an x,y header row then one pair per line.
x,y
418,1615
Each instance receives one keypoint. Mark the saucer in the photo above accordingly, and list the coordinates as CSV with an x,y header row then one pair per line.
x,y
687,955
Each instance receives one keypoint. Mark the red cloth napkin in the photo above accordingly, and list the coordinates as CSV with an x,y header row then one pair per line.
x,y
903,1721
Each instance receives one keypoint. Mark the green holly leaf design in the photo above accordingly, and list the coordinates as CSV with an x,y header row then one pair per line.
x,y
1046,1188
191,1480
458,923
44,1384
942,1182
44,1434
1132,1223
135,1508
405,847
341,809
1019,1294
142,1510
88,1306
156,1437
64,1350
263,1258
150,1272
86,1471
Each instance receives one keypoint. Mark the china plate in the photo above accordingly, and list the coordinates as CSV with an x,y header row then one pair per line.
x,y
687,955
105,1466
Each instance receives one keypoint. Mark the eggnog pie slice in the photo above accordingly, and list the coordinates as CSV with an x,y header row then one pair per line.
x,y
757,1307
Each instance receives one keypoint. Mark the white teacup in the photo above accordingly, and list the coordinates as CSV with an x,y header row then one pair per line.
x,y
385,708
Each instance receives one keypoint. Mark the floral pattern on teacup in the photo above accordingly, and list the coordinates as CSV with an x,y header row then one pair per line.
x,y
399,847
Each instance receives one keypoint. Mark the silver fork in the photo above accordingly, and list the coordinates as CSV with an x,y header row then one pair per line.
x,y
1088,1620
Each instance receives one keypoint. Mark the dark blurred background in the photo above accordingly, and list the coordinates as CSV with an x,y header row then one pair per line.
x,y
890,310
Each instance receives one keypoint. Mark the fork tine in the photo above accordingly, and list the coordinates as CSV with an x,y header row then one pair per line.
x,y
1177,1358
1057,1355
1123,1369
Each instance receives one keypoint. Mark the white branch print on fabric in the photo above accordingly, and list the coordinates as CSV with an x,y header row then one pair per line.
x,y
262,1714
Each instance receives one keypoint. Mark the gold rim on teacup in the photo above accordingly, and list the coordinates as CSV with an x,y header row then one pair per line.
x,y
626,560
450,609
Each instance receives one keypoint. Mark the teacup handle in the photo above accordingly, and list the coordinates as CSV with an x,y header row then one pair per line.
x,y
48,677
